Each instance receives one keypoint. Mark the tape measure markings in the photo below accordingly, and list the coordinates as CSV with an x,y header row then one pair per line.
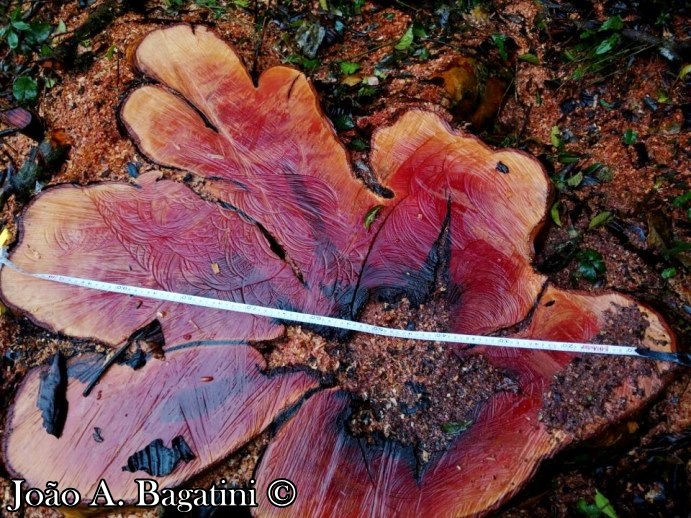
x,y
305,318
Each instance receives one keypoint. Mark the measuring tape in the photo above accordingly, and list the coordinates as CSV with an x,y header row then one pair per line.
x,y
360,327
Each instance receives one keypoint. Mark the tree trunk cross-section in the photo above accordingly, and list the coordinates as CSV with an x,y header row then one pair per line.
x,y
282,225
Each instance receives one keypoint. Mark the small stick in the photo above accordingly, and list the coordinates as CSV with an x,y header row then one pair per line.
x,y
106,365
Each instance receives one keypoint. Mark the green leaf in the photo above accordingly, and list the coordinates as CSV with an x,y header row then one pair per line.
x,y
20,25
112,50
568,158
590,264
294,59
46,51
554,213
211,5
668,273
604,505
605,175
307,64
358,144
614,23
570,56
682,200
579,73
588,510
40,32
406,40
662,96
575,180
16,14
310,64
12,40
348,67
500,41
456,427
371,215
600,219
608,44
366,91
629,137
25,89
587,271
555,137
344,122
419,31
589,254
61,28
530,58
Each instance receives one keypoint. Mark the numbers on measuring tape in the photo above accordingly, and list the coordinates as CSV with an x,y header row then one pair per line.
x,y
292,316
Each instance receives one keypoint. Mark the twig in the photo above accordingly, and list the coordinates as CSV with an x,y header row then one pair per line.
x,y
369,51
257,50
407,6
106,365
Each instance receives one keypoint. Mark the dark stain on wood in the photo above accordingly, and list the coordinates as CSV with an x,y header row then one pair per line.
x,y
52,396
158,460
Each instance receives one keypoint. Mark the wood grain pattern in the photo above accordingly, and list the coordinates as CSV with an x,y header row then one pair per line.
x,y
286,229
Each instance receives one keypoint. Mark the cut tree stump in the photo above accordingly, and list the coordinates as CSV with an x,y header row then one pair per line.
x,y
277,218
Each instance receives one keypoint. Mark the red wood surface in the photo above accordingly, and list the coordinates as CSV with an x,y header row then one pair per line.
x,y
282,224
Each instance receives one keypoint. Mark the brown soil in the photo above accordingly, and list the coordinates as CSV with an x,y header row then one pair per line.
x,y
395,383
416,393
583,393
643,467
624,325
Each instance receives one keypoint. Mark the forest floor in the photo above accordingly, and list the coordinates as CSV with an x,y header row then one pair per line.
x,y
598,92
